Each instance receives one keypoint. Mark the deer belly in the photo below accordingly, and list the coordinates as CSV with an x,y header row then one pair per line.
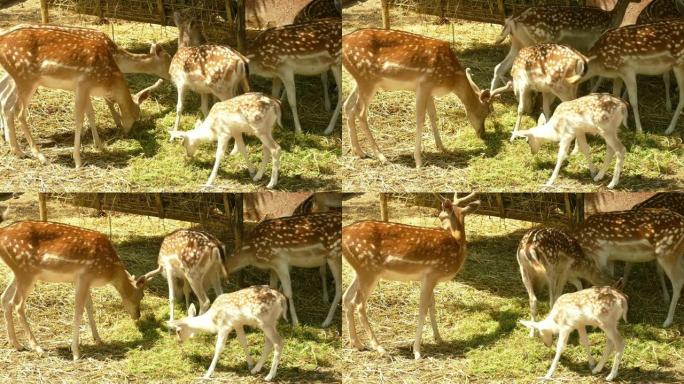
x,y
390,84
653,65
52,276
57,83
310,256
633,251
310,65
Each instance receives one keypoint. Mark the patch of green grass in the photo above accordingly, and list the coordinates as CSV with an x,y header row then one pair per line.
x,y
478,313
652,162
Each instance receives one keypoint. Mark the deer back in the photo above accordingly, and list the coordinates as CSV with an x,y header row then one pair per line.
x,y
191,249
591,114
258,110
605,304
251,306
317,9
673,201
208,67
659,10
547,67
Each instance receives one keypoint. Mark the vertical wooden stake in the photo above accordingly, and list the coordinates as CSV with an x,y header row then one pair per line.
x,y
241,26
229,14
44,17
384,215
385,14
42,206
238,232
162,12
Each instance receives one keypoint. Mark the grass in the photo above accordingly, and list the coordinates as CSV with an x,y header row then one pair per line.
x,y
145,160
653,161
478,311
144,352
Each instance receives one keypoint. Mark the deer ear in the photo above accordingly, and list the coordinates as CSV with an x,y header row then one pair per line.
x,y
541,120
470,208
156,49
140,281
192,311
485,96
176,18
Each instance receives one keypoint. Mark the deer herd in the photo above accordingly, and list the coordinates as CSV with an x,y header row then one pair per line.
x,y
90,64
554,49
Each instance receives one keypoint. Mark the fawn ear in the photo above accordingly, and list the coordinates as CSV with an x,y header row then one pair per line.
x,y
541,120
192,311
156,49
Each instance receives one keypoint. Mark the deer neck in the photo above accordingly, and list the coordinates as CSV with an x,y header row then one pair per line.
x,y
618,12
138,63
474,107
203,323
123,283
546,131
457,230
240,259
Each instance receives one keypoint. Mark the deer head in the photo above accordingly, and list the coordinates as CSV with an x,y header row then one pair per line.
x,y
482,108
453,213
130,110
189,29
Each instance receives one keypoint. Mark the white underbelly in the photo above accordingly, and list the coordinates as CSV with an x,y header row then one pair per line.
x,y
396,276
639,251
55,277
397,85
311,256
57,83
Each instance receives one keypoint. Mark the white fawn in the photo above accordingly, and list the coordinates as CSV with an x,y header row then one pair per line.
x,y
60,253
378,250
254,114
258,306
595,114
597,306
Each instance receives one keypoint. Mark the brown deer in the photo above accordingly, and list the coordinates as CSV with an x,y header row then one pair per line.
x,y
308,49
380,250
306,241
648,49
552,257
638,236
57,59
576,26
60,253
396,60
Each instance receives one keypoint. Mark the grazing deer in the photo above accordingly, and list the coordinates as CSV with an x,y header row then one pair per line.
x,y
379,250
306,241
552,257
52,58
60,253
251,113
575,26
649,49
196,258
595,114
258,306
205,69
638,236
307,49
396,60
552,69
155,63
597,306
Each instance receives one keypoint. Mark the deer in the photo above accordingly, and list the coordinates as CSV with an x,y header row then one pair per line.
x,y
257,306
51,58
196,258
305,241
155,63
601,307
380,250
576,26
252,113
638,236
595,114
60,253
204,68
553,70
397,60
307,49
552,257
649,49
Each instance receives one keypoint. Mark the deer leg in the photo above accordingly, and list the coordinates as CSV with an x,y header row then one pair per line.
x,y
529,287
619,344
273,279
337,74
584,340
350,114
82,293
432,114
220,151
115,114
240,332
425,297
326,95
265,157
186,293
614,142
8,309
90,114
504,66
288,81
9,103
679,75
284,276
547,100
560,346
277,88
335,266
362,103
198,288
604,357
577,283
268,347
631,84
179,107
581,141
11,134
239,142
81,105
562,154
676,275
668,101
22,290
606,163
22,107
422,97
349,308
169,280
522,107
90,312
663,284
204,97
433,319
323,272
220,344
216,279
272,334
363,291
271,151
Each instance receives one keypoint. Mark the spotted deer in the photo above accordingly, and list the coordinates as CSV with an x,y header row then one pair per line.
x,y
595,114
253,114
576,26
396,60
638,236
598,307
195,259
305,241
552,257
57,59
650,49
205,69
257,306
155,63
60,253
379,250
308,49
551,69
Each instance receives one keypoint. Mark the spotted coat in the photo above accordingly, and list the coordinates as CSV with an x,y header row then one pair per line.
x,y
547,67
252,106
251,303
209,68
317,9
659,10
191,248
673,201
597,108
550,23
589,306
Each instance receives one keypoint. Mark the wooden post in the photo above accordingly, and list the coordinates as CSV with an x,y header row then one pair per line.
x,y
502,9
160,205
44,17
384,215
500,203
42,206
579,210
238,232
241,31
385,14
229,15
162,12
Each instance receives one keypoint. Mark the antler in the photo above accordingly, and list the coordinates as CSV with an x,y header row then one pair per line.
x,y
441,199
501,90
472,83
463,200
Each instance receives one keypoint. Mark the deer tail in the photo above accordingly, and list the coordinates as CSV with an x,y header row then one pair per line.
x,y
507,29
624,306
219,258
283,305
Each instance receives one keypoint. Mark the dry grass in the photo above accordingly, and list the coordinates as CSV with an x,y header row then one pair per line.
x,y
146,160
144,352
477,313
653,161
